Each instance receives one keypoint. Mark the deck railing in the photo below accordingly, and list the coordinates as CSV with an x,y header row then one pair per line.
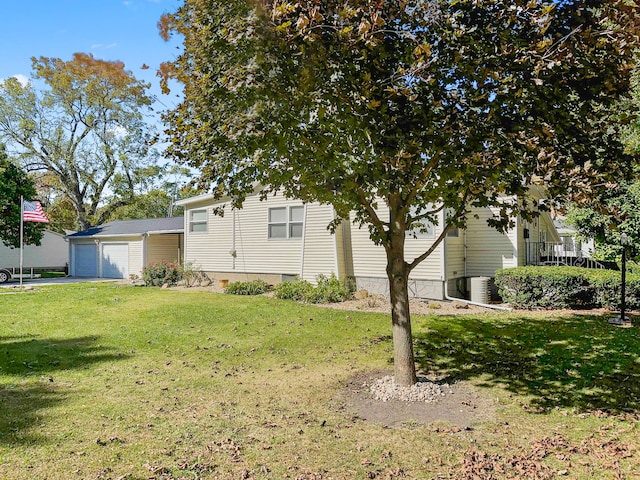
x,y
549,253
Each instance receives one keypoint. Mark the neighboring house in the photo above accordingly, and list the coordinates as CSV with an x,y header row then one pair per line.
x,y
51,254
280,239
120,249
571,245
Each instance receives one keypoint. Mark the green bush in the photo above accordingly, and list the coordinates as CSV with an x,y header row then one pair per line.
x,y
546,287
157,274
254,287
297,290
566,287
607,285
328,290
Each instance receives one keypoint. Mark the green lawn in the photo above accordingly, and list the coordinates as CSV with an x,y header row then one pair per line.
x,y
103,381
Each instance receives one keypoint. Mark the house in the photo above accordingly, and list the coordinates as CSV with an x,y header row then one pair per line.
x,y
120,249
278,239
474,252
51,254
281,239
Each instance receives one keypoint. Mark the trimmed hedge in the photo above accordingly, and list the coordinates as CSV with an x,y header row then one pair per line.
x,y
566,287
545,287
608,289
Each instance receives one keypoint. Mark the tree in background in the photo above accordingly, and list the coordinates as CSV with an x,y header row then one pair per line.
x,y
409,107
616,208
86,129
15,183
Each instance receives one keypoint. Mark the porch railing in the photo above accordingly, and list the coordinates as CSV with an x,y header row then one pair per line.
x,y
549,253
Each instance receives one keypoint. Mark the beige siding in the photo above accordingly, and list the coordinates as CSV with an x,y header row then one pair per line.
x,y
370,260
487,249
211,251
52,252
164,248
455,263
320,248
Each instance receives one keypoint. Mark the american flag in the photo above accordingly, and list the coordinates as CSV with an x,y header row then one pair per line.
x,y
32,212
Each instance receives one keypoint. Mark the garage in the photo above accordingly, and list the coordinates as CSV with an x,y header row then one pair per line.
x,y
122,248
115,260
85,260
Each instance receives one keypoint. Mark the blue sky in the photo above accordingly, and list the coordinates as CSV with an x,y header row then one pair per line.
x,y
124,30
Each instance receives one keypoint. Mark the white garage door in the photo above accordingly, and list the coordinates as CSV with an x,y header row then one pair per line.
x,y
84,258
115,260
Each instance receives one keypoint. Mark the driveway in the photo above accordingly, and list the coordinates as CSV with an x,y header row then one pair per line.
x,y
55,281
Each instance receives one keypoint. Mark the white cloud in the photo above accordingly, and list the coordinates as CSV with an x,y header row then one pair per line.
x,y
23,79
98,46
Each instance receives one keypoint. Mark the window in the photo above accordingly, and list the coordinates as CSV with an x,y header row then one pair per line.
x,y
425,230
569,244
198,221
286,222
455,231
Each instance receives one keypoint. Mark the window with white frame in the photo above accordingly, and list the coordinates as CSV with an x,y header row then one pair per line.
x,y
198,221
286,222
426,229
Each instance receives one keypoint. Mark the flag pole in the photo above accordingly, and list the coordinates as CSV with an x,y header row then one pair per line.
x,y
21,234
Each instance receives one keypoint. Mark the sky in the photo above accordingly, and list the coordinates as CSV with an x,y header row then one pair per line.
x,y
124,30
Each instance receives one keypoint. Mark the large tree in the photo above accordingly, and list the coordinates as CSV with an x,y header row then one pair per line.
x,y
410,106
15,183
616,209
85,127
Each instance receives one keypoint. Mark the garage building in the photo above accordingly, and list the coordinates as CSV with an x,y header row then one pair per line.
x,y
120,249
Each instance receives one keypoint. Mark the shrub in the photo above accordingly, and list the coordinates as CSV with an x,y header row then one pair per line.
x,y
297,290
157,274
327,290
566,287
546,287
608,289
191,276
254,287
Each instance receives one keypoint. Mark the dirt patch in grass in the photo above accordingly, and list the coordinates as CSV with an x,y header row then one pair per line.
x,y
461,406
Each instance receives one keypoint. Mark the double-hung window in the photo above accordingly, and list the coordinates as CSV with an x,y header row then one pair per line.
x,y
286,222
198,221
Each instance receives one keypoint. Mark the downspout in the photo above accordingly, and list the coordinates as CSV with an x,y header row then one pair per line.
x,y
185,229
145,246
335,247
446,282
304,236
234,254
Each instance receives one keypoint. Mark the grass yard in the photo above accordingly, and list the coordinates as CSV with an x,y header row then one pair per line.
x,y
102,381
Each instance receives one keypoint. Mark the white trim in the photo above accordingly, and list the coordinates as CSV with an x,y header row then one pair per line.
x,y
287,222
196,199
204,222
443,247
161,232
89,237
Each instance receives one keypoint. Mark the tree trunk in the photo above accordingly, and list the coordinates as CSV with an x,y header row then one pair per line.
x,y
398,274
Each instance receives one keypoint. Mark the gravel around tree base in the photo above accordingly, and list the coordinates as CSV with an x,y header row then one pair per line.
x,y
385,389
